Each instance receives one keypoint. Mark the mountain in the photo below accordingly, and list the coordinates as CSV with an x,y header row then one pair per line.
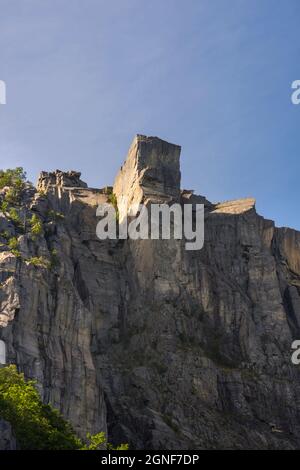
x,y
156,345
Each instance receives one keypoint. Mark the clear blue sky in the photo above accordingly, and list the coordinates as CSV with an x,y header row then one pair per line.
x,y
84,76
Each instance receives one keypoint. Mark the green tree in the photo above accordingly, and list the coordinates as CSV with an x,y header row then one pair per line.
x,y
37,426
13,177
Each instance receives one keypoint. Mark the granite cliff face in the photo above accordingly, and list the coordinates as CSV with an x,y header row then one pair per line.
x,y
157,346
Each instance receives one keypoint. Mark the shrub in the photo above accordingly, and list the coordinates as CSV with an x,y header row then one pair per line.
x,y
12,196
13,245
112,199
37,426
14,216
99,442
36,226
4,207
55,216
5,235
39,261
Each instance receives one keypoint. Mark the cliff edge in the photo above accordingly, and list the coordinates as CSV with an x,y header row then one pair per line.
x,y
155,345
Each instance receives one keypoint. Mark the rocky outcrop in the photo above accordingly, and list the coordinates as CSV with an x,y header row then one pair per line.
x,y
60,178
151,172
155,345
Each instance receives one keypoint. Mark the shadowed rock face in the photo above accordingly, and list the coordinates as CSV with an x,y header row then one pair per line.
x,y
7,441
157,346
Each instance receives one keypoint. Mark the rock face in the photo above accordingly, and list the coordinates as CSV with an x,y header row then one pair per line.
x,y
7,441
59,178
155,345
151,172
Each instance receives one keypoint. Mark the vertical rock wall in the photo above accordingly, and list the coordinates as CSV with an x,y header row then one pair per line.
x,y
157,346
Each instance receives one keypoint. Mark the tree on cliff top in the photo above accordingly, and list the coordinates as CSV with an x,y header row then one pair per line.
x,y
15,177
16,181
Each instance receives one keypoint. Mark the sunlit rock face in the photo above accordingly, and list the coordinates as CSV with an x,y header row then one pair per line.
x,y
60,178
157,346
151,173
237,206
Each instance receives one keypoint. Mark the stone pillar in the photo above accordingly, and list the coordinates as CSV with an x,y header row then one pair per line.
x,y
151,173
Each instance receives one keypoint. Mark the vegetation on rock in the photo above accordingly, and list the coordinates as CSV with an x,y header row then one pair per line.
x,y
55,215
36,226
15,180
13,177
39,261
13,245
37,426
112,199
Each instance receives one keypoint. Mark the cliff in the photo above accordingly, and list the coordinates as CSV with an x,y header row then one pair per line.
x,y
157,346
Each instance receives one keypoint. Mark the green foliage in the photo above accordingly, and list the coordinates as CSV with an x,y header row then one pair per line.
x,y
5,235
15,180
37,426
39,261
95,442
43,262
55,216
14,216
13,177
4,207
17,253
112,199
108,190
119,447
13,245
99,442
12,196
36,226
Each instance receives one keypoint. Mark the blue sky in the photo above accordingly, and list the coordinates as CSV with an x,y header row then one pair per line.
x,y
84,76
